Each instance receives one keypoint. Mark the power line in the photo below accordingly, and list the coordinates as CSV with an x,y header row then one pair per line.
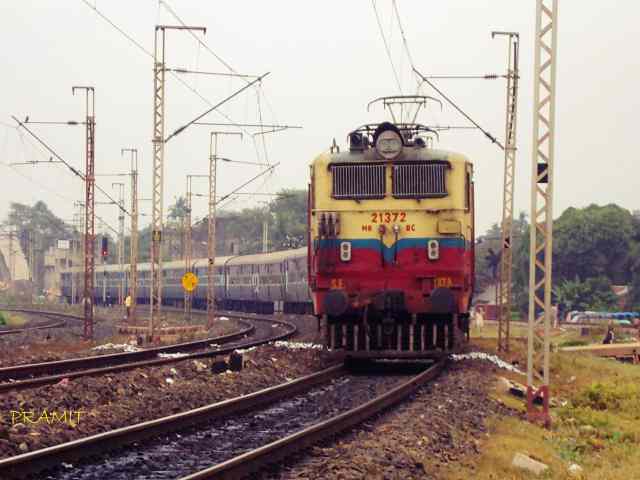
x,y
69,166
150,55
404,38
206,112
386,45
462,112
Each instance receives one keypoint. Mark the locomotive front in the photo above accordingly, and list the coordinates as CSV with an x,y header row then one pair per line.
x,y
391,244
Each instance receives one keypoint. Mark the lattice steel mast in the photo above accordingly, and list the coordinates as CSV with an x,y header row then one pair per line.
x,y
211,240
506,257
159,70
541,230
188,250
121,288
133,247
89,209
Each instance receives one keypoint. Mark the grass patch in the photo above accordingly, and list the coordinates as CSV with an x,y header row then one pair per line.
x,y
595,423
11,319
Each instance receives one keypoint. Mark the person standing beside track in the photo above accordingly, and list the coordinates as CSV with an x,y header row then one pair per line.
x,y
127,304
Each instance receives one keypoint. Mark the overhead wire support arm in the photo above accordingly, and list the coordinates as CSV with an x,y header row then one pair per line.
x,y
73,170
216,106
233,192
216,74
462,112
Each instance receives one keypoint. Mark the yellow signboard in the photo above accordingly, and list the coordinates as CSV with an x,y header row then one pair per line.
x,y
189,282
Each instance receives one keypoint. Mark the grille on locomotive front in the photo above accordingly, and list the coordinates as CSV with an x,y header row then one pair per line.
x,y
420,180
361,181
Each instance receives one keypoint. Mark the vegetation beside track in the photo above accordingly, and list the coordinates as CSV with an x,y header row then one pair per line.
x,y
11,319
595,419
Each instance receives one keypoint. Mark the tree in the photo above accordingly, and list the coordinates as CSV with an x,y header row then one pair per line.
x,y
591,242
592,294
39,225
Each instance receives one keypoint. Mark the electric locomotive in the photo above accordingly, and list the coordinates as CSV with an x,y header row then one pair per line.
x,y
391,243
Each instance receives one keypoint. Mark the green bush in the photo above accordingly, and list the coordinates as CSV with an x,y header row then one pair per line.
x,y
3,319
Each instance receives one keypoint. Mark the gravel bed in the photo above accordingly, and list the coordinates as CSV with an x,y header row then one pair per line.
x,y
121,399
176,455
307,328
62,343
416,440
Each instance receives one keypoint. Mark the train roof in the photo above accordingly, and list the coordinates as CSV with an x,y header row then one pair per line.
x,y
388,142
273,257
258,258
408,155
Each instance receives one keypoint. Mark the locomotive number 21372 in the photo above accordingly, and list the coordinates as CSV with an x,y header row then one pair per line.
x,y
388,217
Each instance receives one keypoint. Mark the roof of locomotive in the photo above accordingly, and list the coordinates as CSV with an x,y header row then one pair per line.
x,y
409,154
362,146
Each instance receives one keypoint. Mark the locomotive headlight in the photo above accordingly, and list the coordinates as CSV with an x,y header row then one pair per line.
x,y
433,250
345,251
382,229
396,228
389,144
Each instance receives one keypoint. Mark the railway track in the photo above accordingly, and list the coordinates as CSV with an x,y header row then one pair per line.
x,y
229,439
33,375
56,321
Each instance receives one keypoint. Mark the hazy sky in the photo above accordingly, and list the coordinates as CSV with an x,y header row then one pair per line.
x,y
327,61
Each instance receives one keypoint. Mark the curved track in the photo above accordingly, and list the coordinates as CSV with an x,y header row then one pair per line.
x,y
55,322
264,330
229,439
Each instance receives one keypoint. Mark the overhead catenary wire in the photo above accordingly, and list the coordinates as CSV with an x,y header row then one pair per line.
x,y
150,55
68,165
206,112
386,45
462,112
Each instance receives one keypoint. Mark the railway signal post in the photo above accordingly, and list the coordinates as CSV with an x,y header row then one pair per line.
x,y
211,240
89,209
506,258
541,230
158,141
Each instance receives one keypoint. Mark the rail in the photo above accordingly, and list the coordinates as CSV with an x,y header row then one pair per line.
x,y
33,462
252,461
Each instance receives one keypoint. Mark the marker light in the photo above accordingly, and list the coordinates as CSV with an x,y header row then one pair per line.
x,y
381,229
433,250
345,251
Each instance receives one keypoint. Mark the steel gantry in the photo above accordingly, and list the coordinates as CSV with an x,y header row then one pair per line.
x,y
133,247
504,295
158,141
541,230
89,209
211,240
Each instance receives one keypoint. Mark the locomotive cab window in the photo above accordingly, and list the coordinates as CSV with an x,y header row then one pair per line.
x,y
420,180
358,182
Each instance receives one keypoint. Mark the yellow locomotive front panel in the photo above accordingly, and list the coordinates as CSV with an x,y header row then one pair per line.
x,y
391,243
